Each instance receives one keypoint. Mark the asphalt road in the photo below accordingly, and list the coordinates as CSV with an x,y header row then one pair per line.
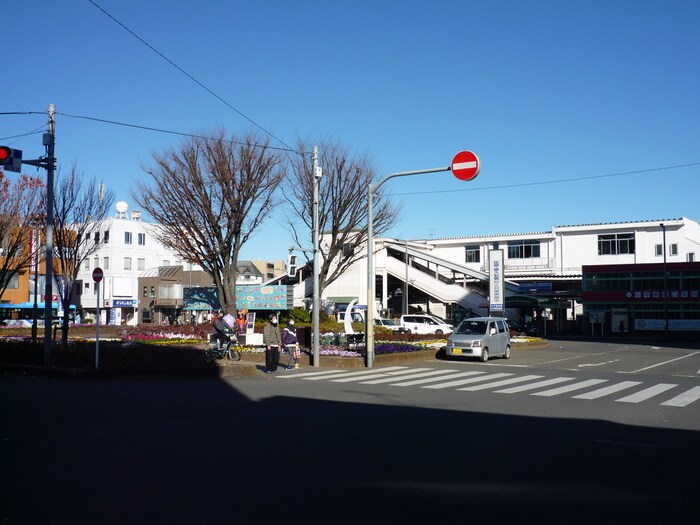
x,y
341,449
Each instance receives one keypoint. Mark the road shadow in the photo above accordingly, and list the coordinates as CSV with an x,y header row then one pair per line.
x,y
198,451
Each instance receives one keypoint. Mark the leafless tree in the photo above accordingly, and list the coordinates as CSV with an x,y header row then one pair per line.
x,y
342,205
80,207
208,197
21,211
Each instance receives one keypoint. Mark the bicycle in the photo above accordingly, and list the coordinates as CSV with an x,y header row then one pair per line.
x,y
229,350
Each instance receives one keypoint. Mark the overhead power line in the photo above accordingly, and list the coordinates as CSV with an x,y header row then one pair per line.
x,y
161,130
554,181
193,79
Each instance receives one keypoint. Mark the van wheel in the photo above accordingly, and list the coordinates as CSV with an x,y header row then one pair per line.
x,y
438,332
484,355
507,354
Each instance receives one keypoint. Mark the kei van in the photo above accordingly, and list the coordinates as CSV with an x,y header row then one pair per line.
x,y
481,337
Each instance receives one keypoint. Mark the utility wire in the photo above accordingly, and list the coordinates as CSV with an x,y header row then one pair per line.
x,y
200,84
40,129
160,130
555,181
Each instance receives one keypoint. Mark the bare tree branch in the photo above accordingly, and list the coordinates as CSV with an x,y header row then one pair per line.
x,y
208,197
342,206
80,208
21,210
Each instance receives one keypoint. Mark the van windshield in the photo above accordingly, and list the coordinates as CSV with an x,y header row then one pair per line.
x,y
472,327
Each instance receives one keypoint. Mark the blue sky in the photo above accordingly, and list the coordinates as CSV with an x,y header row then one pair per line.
x,y
541,90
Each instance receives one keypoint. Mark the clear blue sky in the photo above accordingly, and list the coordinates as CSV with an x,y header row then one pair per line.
x,y
540,90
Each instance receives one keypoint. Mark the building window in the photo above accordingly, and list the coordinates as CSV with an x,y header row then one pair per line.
x,y
14,282
106,236
97,262
127,263
472,253
86,285
145,291
616,243
140,264
691,257
97,237
659,250
523,249
673,249
86,265
127,237
106,263
142,239
166,262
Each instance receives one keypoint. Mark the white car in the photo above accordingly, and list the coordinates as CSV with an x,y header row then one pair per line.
x,y
17,323
388,323
425,324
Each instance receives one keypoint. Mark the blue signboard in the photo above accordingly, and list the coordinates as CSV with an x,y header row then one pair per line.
x,y
250,297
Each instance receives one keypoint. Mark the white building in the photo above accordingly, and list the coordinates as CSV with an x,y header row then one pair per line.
x,y
129,248
543,270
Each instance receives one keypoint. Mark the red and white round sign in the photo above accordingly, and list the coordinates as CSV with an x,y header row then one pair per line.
x,y
465,165
97,275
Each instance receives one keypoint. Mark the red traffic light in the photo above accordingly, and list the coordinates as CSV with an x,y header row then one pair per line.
x,y
5,154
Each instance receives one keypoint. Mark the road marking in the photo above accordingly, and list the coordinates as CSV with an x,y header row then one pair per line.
x,y
647,393
372,375
327,373
502,382
684,399
534,386
569,388
599,364
664,363
595,394
412,376
433,379
350,374
467,381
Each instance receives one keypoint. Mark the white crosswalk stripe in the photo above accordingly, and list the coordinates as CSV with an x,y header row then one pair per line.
x,y
684,399
362,373
411,376
535,386
502,382
434,379
647,393
467,381
372,375
606,391
569,388
477,380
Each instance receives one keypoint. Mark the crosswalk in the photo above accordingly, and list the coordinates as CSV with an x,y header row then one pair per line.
x,y
530,384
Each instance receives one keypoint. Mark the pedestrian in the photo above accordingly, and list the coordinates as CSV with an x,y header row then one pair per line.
x,y
272,339
241,321
289,340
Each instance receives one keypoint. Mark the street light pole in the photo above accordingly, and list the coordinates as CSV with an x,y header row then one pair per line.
x,y
371,189
316,314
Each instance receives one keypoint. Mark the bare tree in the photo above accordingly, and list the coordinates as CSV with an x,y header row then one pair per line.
x,y
209,197
80,208
342,206
21,211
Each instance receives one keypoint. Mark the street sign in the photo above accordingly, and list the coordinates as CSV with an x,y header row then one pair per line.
x,y
97,275
465,165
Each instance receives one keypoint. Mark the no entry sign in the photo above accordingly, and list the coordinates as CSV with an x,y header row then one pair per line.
x,y
465,165
97,275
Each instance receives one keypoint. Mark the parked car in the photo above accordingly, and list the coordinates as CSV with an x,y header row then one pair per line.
x,y
425,324
17,323
388,323
481,337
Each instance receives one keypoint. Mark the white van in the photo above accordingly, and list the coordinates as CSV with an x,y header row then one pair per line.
x,y
481,337
425,324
